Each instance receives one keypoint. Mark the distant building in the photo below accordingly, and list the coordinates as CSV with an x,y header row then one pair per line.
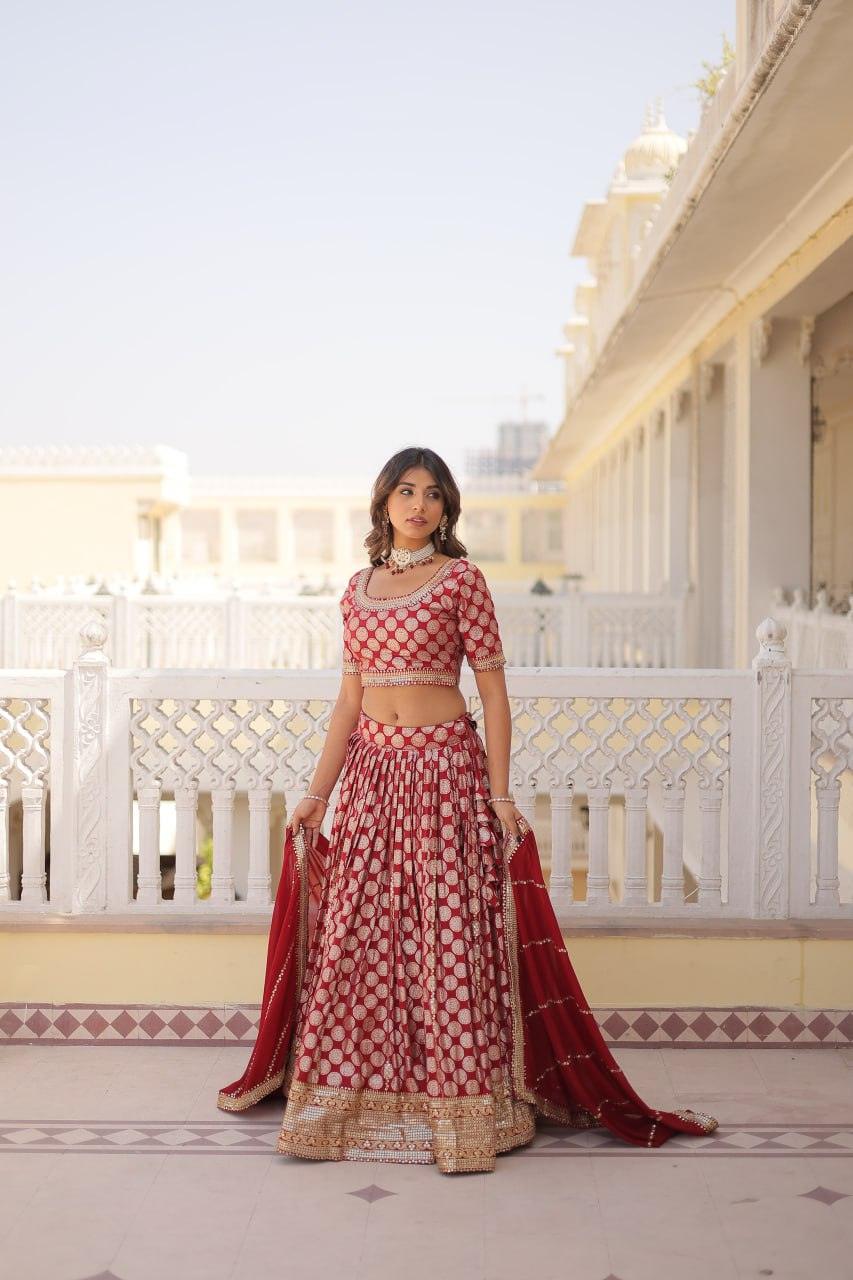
x,y
122,514
508,464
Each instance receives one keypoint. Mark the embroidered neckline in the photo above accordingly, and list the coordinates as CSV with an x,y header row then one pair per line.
x,y
395,602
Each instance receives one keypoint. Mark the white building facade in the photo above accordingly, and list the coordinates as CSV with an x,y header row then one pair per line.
x,y
707,442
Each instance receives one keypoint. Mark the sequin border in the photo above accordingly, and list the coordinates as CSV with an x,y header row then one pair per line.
x,y
400,602
577,1117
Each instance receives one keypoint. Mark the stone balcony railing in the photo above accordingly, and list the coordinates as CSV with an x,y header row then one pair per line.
x,y
819,636
682,795
277,630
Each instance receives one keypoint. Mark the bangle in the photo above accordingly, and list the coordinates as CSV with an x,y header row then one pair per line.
x,y
494,799
310,797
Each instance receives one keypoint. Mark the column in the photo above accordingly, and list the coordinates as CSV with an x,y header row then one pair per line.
x,y
773,460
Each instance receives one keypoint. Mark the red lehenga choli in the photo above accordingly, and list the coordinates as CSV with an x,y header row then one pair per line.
x,y
419,1004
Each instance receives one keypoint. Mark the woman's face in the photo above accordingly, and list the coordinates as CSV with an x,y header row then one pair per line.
x,y
415,506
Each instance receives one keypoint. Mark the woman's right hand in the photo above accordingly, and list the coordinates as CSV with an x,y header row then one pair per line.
x,y
308,814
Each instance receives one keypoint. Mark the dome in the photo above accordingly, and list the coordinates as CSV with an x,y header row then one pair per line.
x,y
657,150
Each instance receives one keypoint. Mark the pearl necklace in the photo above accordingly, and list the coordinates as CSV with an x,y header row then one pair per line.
x,y
401,558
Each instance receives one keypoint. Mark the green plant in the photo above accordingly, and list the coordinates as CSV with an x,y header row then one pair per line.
x,y
204,868
708,84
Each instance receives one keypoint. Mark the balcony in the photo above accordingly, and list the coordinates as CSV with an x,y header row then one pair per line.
x,y
664,795
821,636
695,828
282,630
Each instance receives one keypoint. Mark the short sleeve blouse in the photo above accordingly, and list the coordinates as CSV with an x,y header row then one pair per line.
x,y
421,637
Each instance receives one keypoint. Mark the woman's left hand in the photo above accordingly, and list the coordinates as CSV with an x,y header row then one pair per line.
x,y
509,814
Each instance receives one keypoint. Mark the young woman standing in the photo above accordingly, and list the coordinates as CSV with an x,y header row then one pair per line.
x,y
419,1004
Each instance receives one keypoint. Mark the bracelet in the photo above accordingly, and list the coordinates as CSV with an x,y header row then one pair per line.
x,y
310,797
509,799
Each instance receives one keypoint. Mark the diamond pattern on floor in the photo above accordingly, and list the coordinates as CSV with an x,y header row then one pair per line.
x,y
372,1193
825,1195
742,1201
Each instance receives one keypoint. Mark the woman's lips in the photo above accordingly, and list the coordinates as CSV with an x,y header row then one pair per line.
x,y
412,520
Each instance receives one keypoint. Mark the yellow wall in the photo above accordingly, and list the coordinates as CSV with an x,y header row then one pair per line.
x,y
213,968
88,525
69,525
347,558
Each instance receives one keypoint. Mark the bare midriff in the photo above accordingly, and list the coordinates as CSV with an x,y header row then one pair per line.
x,y
413,704
409,704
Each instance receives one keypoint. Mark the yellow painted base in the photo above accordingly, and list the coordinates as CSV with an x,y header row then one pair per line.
x,y
161,968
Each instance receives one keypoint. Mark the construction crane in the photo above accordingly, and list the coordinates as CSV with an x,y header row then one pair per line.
x,y
523,400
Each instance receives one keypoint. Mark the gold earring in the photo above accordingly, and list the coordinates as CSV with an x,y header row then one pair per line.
x,y
442,528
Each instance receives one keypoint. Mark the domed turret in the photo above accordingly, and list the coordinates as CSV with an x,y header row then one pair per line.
x,y
657,150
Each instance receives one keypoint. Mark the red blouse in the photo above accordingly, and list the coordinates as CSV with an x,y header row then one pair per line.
x,y
420,638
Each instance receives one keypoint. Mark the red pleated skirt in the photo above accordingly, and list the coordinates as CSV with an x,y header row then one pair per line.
x,y
419,1003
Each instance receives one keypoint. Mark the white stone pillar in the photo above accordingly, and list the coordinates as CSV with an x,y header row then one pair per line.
x,y
774,496
612,583
638,510
89,786
678,473
600,526
657,500
625,515
710,433
772,780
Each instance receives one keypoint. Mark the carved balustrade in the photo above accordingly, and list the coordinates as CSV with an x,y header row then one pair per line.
x,y
819,636
296,632
655,794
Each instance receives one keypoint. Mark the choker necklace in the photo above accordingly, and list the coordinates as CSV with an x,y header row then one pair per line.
x,y
401,558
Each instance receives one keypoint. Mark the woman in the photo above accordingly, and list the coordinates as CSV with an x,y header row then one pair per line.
x,y
419,1004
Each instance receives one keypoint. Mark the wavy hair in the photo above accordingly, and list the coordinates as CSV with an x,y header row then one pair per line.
x,y
379,541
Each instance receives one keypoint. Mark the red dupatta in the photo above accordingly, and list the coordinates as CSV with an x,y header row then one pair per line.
x,y
294,916
561,1063
560,1060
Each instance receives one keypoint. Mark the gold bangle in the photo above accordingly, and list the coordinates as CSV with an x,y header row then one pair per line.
x,y
311,797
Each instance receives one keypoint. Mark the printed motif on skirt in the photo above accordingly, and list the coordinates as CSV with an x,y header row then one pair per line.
x,y
403,1043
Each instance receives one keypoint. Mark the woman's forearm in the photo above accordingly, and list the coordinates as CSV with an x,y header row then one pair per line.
x,y
341,724
498,725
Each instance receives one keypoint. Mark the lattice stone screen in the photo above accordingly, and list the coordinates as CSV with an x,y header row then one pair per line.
x,y
30,777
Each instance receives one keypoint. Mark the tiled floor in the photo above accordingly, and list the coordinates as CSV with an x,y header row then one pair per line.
x,y
114,1161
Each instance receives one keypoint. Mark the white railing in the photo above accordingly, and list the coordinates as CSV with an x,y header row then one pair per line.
x,y
817,637
714,116
709,795
296,632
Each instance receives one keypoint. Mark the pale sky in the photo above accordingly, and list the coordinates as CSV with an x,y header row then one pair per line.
x,y
294,237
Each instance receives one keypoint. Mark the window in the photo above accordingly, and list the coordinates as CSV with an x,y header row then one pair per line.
x,y
542,536
314,535
485,534
201,537
256,536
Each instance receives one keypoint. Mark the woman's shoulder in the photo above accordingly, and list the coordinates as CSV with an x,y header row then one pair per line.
x,y
346,594
468,571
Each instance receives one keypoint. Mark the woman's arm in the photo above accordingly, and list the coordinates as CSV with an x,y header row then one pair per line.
x,y
310,813
341,724
491,687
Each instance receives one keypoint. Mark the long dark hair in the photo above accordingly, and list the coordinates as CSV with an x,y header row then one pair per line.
x,y
380,540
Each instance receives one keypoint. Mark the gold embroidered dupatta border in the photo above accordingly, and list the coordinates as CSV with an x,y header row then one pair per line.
x,y
575,1117
283,1076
